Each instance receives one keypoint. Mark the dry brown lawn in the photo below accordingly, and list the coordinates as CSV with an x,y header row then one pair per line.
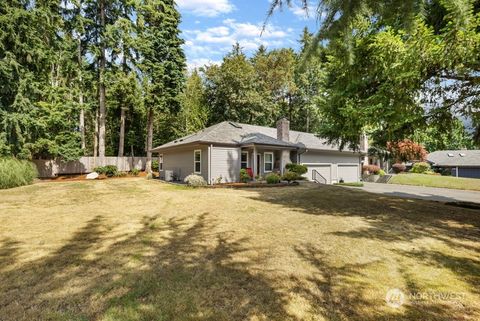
x,y
132,249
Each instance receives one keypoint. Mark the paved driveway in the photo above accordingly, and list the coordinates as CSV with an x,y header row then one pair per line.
x,y
429,193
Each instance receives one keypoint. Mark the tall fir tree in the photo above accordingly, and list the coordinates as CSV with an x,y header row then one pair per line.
x,y
163,62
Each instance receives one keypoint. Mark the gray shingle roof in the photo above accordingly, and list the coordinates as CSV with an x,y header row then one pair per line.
x,y
243,134
455,158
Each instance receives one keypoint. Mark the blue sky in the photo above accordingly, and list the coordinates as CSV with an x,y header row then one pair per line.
x,y
211,27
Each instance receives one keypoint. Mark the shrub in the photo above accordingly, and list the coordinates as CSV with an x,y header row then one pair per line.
x,y
420,168
244,177
109,170
381,172
15,173
290,176
155,165
406,150
135,172
399,168
296,168
273,178
195,180
371,169
121,174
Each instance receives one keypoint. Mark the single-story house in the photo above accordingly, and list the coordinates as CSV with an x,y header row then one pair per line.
x,y
461,163
219,152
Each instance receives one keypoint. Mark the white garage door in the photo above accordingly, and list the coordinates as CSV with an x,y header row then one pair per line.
x,y
324,170
226,163
348,172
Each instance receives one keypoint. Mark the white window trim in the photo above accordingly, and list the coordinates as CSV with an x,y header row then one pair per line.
x,y
160,164
264,162
245,152
195,161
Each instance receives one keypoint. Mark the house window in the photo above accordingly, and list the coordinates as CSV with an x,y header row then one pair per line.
x,y
267,162
160,162
197,161
244,160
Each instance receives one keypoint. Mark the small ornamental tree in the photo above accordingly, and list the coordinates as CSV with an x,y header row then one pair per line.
x,y
406,150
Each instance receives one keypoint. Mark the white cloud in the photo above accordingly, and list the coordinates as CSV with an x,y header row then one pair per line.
x,y
246,33
209,45
206,8
201,62
302,13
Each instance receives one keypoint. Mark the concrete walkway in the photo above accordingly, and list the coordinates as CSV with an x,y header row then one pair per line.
x,y
428,193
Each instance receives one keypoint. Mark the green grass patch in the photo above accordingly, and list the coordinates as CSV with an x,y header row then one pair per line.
x,y
353,184
14,172
436,181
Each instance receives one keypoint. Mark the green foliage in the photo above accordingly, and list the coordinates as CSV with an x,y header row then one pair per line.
x,y
244,177
155,165
420,168
15,173
447,135
108,170
290,176
51,70
272,178
381,172
396,68
120,174
296,168
135,171
194,112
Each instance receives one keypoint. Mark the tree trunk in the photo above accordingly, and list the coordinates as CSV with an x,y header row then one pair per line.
x,y
95,139
121,140
148,165
101,85
80,96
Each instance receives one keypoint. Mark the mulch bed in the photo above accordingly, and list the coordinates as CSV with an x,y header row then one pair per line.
x,y
83,177
249,185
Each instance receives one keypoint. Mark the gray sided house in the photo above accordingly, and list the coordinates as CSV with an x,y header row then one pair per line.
x,y
219,152
461,163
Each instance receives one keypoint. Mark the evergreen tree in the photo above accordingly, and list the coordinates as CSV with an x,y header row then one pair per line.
x,y
163,62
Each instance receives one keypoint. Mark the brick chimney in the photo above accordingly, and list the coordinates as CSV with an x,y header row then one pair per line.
x,y
283,130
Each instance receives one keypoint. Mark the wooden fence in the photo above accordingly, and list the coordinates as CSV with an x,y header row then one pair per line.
x,y
54,167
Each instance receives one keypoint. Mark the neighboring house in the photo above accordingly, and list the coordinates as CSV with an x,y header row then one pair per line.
x,y
220,151
461,163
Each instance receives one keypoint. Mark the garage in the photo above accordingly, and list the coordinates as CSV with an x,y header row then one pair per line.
x,y
348,172
324,170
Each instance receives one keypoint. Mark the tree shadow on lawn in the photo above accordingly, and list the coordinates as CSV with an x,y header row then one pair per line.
x,y
392,221
389,219
175,270
341,293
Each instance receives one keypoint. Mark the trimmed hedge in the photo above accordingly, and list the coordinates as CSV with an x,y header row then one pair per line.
x,y
272,178
14,172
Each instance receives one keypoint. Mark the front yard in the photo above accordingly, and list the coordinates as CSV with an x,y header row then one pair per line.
x,y
132,249
436,181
